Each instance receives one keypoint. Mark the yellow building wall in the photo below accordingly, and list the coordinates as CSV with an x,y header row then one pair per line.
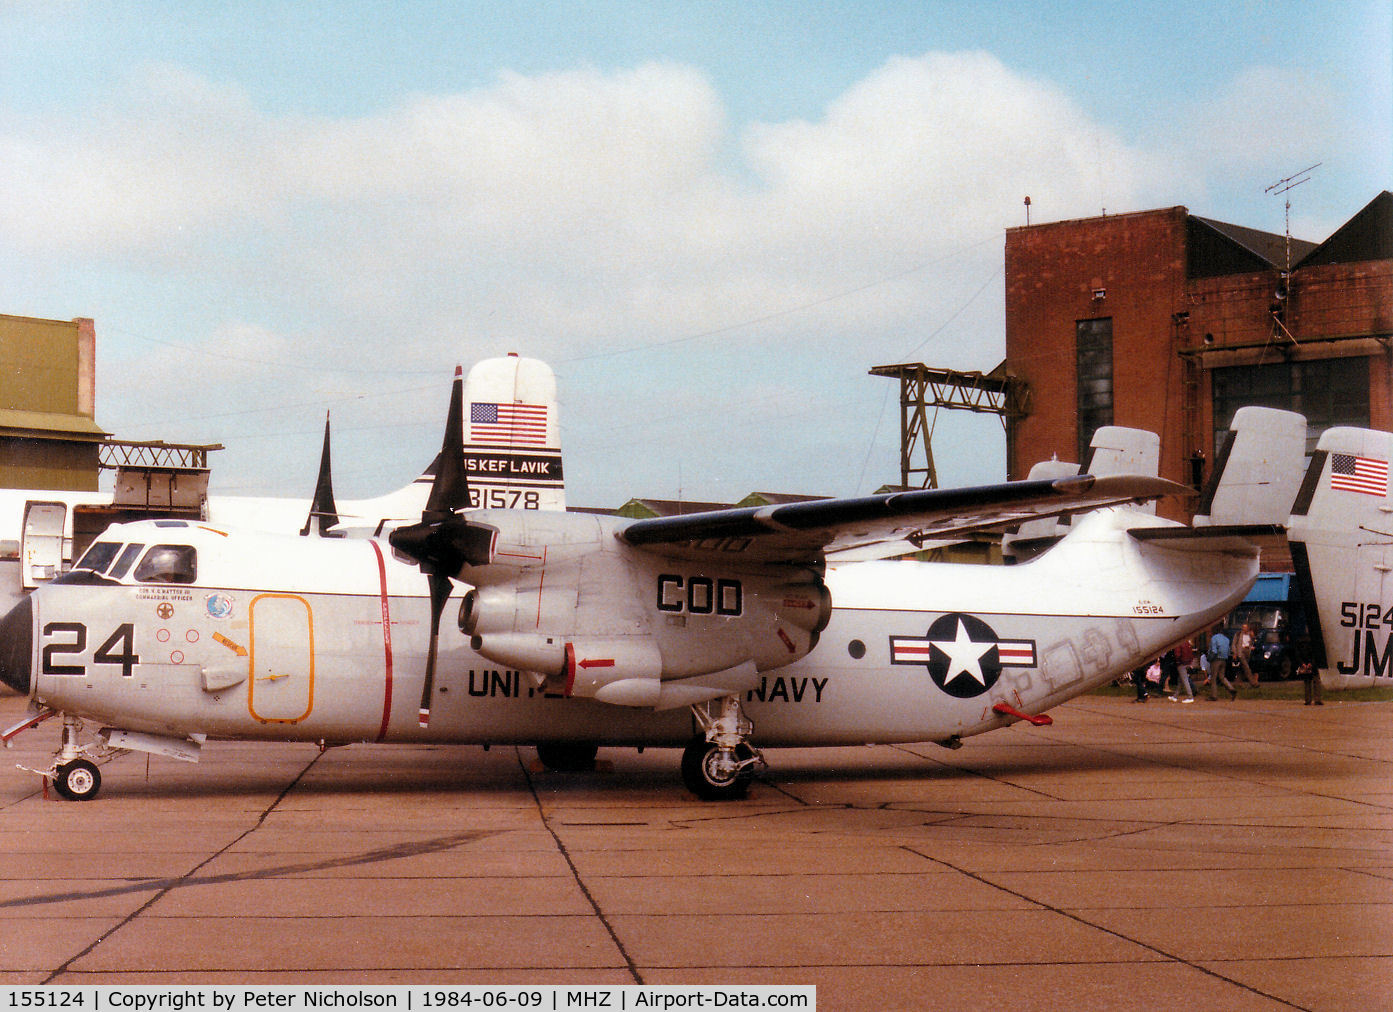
x,y
48,435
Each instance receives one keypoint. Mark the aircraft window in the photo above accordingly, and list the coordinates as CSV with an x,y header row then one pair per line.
x,y
99,556
168,564
857,649
127,559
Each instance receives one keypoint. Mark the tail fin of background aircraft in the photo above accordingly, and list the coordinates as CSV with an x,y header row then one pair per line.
x,y
1119,450
1115,450
512,435
1341,536
512,447
1258,470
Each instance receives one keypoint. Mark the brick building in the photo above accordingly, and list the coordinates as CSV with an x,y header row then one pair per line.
x,y
1167,321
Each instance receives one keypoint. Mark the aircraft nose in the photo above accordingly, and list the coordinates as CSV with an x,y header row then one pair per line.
x,y
17,646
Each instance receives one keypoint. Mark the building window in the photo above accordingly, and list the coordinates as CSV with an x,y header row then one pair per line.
x,y
1329,392
1093,341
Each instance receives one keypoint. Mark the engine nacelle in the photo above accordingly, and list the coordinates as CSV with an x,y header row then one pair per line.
x,y
569,602
625,671
807,606
488,610
535,652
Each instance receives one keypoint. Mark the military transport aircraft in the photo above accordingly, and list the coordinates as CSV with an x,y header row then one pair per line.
x,y
1342,522
722,632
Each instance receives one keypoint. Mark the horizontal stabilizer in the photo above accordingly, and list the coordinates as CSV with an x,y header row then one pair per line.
x,y
1229,538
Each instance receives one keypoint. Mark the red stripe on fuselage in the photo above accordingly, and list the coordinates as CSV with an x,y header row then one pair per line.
x,y
386,642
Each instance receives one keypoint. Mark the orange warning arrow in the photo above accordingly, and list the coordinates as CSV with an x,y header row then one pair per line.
x,y
236,648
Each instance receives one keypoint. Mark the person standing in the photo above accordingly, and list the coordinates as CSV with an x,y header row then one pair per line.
x,y
1218,654
1242,651
1139,683
1310,677
1184,656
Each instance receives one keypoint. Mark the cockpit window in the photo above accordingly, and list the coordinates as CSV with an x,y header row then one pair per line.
x,y
168,564
127,559
99,556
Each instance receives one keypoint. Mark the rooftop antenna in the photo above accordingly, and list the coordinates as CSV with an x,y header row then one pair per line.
x,y
1284,280
1286,186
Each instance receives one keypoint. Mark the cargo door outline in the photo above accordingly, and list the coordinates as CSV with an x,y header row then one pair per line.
x,y
280,689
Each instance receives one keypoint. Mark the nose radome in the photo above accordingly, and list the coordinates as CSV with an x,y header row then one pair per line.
x,y
17,646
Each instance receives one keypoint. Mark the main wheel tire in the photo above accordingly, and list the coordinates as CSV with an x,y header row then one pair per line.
x,y
567,758
701,778
78,780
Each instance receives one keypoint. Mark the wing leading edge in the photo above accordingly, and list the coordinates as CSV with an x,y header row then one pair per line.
x,y
805,531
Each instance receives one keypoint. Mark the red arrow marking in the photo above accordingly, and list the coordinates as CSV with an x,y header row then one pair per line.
x,y
600,663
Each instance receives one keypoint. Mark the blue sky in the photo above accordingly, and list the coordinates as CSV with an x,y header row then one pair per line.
x,y
712,218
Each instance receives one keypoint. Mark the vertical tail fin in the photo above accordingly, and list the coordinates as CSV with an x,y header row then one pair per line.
x,y
1119,450
512,447
1258,470
1116,450
1341,535
512,435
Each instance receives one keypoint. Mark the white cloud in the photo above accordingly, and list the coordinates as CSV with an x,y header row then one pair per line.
x,y
940,146
560,215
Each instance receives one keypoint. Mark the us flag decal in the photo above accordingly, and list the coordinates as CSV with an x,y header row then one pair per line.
x,y
1367,475
514,424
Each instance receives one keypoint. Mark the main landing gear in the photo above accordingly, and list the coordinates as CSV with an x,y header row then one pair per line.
x,y
719,763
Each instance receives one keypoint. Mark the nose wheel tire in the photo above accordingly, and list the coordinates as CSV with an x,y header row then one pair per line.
x,y
78,780
709,778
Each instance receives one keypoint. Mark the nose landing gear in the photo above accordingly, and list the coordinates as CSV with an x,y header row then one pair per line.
x,y
78,780
74,776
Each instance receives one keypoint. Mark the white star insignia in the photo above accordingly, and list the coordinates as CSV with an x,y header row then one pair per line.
x,y
964,656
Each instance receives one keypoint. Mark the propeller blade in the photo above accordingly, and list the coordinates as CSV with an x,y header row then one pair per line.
x,y
439,594
449,492
443,542
322,508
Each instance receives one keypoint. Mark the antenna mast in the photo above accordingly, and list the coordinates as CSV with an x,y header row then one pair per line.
x,y
1286,186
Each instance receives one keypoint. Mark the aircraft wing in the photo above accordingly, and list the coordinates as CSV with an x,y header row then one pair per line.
x,y
807,531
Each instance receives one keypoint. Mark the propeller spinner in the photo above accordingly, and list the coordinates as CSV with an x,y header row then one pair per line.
x,y
444,542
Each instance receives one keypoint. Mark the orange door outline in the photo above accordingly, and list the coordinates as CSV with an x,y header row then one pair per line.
x,y
281,653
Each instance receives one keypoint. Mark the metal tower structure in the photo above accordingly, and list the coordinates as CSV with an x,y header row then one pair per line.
x,y
922,388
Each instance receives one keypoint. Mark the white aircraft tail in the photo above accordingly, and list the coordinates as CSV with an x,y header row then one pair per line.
x,y
1115,450
1258,470
1341,535
1119,450
512,453
512,435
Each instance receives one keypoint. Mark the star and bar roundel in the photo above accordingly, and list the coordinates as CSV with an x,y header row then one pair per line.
x,y
964,655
